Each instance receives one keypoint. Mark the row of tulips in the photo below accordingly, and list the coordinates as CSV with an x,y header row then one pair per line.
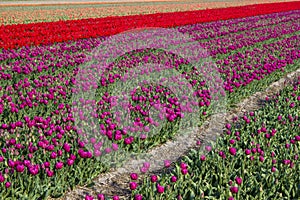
x,y
230,67
227,44
13,108
56,60
220,28
257,158
68,63
13,36
41,143
71,53
228,27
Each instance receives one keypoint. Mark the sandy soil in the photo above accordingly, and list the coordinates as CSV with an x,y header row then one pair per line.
x,y
74,2
46,2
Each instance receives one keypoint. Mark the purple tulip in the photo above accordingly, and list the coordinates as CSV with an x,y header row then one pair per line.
x,y
143,169
160,189
167,163
184,171
261,158
11,163
183,165
115,147
272,154
247,151
153,178
133,185
222,154
70,162
228,126
67,147
53,155
234,189
100,197
27,163
46,164
59,165
127,141
2,179
286,162
3,150
7,184
232,151
138,197
208,148
134,176
20,168
59,152
173,179
238,180
72,156
88,197
146,165
118,136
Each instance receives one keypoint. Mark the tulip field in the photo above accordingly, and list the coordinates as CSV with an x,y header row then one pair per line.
x,y
50,145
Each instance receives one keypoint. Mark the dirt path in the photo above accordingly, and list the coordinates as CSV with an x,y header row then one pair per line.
x,y
78,2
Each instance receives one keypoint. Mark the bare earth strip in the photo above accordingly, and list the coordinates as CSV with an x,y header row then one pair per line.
x,y
12,2
75,2
16,12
